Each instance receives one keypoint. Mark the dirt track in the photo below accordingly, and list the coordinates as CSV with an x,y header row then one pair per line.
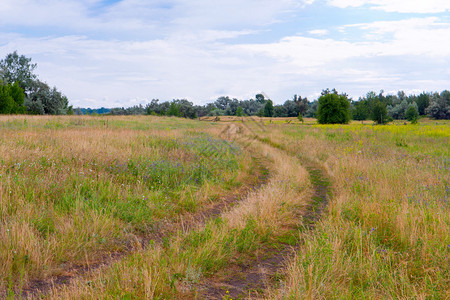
x,y
252,279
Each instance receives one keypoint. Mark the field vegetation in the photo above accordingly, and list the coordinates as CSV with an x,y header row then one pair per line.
x,y
148,207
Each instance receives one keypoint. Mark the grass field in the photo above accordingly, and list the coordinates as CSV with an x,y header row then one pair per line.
x,y
167,208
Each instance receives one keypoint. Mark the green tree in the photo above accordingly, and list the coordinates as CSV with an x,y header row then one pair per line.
x,y
333,108
6,100
45,100
174,110
260,98
18,69
239,111
379,113
360,110
70,111
268,109
439,106
11,99
423,101
19,97
412,114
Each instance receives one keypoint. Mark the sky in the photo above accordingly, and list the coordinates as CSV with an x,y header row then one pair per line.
x,y
120,53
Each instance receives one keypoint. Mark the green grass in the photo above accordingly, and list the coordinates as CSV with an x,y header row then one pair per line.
x,y
386,233
76,188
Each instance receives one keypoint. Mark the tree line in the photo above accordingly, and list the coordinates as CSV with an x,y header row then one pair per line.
x,y
22,92
330,107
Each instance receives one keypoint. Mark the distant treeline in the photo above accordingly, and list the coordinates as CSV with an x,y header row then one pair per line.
x,y
435,105
22,92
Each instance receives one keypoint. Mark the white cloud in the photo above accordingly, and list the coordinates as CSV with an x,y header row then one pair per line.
x,y
318,32
197,49
402,6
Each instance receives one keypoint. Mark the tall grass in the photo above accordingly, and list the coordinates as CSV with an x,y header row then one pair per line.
x,y
387,231
76,189
180,266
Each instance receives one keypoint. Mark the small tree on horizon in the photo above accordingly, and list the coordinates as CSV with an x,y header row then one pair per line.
x,y
333,108
412,114
239,112
268,109
379,113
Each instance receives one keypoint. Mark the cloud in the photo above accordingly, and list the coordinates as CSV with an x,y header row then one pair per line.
x,y
402,6
123,53
318,32
142,18
416,36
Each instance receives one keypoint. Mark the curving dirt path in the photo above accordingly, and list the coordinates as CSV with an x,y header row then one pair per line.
x,y
40,288
251,280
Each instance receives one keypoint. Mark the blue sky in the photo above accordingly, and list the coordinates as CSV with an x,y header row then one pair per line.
x,y
126,52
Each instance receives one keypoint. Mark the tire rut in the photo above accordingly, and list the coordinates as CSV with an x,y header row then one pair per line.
x,y
40,288
251,280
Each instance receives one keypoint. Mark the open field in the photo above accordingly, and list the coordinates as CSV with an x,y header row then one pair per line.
x,y
167,208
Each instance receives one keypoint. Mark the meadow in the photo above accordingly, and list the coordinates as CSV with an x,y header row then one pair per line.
x,y
166,208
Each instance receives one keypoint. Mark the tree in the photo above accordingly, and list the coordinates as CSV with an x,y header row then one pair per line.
x,y
412,114
379,113
312,109
187,109
279,111
302,104
423,101
222,102
360,110
18,69
239,111
44,100
260,98
11,99
439,106
398,111
19,97
6,100
333,108
268,109
174,110
251,107
291,108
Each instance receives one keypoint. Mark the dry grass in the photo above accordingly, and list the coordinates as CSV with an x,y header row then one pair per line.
x,y
387,233
74,189
175,268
